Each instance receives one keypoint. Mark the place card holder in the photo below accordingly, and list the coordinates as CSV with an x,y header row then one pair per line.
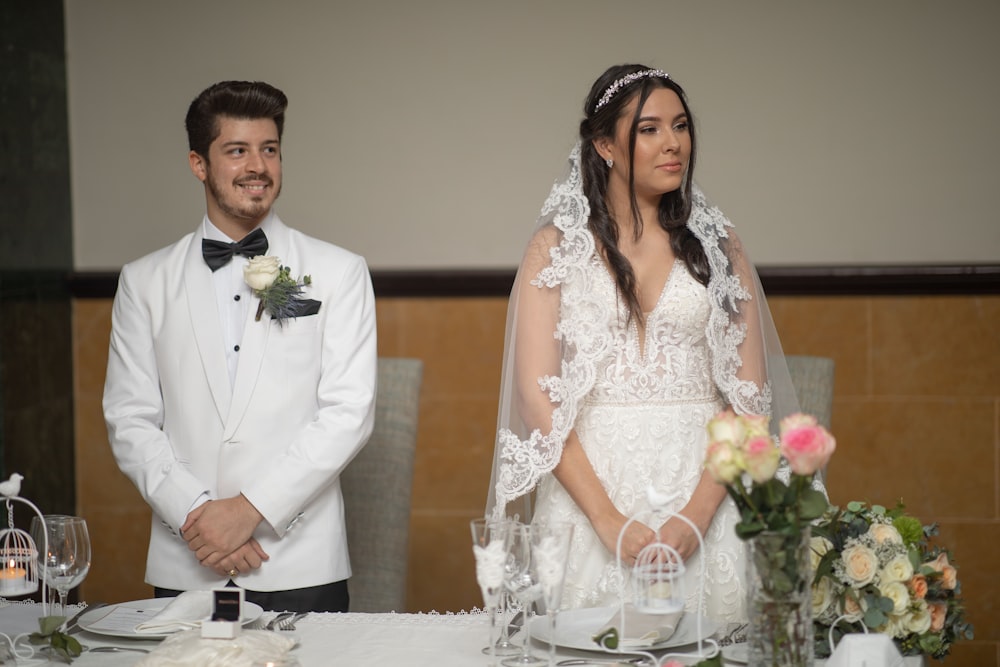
x,y
227,606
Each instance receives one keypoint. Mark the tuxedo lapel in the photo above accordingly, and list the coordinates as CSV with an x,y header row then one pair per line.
x,y
255,337
204,313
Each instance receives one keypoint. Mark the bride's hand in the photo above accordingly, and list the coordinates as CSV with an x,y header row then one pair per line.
x,y
679,535
637,536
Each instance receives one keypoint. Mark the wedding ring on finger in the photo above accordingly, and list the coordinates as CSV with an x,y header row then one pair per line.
x,y
233,572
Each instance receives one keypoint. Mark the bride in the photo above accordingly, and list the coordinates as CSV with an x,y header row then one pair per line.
x,y
634,318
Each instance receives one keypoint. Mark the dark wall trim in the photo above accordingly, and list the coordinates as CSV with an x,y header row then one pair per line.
x,y
777,280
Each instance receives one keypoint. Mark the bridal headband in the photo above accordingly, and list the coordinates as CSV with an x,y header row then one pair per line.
x,y
626,80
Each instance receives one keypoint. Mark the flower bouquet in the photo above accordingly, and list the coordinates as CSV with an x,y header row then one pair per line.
x,y
877,568
776,505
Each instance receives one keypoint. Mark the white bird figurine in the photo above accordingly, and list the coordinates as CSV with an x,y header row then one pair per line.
x,y
659,499
12,486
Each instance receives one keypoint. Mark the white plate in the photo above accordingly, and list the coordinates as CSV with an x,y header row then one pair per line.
x,y
250,611
736,653
575,628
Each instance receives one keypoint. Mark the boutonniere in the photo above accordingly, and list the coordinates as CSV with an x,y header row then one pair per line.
x,y
273,284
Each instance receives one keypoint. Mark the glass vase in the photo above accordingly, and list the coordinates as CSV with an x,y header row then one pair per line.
x,y
779,601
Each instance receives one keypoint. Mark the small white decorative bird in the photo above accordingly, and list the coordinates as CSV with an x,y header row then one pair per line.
x,y
12,486
658,499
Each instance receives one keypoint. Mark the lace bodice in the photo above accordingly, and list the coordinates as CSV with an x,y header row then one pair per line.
x,y
666,360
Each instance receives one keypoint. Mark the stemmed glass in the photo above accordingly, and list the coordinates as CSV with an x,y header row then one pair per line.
x,y
550,543
490,541
521,580
67,561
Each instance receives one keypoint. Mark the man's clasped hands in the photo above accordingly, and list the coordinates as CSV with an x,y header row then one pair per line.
x,y
220,533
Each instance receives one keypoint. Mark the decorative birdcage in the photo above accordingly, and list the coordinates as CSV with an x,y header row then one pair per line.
x,y
19,573
657,581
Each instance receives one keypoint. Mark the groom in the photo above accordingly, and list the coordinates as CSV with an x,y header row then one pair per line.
x,y
235,419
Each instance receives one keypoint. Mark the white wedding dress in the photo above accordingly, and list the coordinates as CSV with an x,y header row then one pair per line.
x,y
643,423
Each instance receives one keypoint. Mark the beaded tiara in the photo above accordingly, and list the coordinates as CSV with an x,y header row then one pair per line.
x,y
626,80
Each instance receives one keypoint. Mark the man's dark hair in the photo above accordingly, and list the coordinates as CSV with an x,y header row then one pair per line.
x,y
246,100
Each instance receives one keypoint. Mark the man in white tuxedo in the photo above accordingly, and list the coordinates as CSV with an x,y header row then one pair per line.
x,y
234,419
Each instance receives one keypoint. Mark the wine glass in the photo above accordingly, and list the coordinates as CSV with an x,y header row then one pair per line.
x,y
521,580
67,560
550,543
489,545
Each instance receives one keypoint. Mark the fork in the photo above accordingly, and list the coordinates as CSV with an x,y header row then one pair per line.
x,y
288,623
273,623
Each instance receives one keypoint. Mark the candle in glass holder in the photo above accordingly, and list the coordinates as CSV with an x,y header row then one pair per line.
x,y
13,579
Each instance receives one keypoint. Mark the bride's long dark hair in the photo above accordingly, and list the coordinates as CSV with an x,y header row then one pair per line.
x,y
674,208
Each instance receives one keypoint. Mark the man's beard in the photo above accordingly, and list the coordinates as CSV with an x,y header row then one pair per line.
x,y
225,199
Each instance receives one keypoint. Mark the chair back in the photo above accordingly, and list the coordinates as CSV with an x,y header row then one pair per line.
x,y
377,486
813,380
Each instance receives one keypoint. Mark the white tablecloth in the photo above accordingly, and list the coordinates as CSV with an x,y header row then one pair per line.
x,y
392,640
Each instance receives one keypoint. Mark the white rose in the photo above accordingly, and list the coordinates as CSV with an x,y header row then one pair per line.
x,y
884,532
818,546
896,591
919,621
896,627
898,569
860,564
822,596
261,271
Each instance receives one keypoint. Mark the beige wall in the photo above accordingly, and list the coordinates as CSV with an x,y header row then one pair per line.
x,y
426,134
916,414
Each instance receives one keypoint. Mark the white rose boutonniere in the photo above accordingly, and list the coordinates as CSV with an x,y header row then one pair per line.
x,y
273,284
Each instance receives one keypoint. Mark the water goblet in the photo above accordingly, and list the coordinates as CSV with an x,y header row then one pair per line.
x,y
521,580
489,545
65,561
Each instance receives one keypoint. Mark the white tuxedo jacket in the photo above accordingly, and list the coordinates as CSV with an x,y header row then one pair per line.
x,y
301,407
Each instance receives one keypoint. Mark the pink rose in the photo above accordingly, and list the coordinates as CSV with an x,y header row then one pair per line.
x,y
756,425
761,458
723,461
727,426
807,445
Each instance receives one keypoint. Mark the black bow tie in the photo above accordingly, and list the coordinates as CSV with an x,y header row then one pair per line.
x,y
218,253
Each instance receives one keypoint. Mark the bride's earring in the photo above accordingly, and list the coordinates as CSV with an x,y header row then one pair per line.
x,y
609,162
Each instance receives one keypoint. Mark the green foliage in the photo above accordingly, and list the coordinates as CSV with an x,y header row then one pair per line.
x,y
61,646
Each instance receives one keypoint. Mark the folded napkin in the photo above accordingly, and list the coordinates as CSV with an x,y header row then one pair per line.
x,y
641,630
190,649
185,611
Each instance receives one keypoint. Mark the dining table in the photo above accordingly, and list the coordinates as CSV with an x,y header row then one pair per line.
x,y
453,639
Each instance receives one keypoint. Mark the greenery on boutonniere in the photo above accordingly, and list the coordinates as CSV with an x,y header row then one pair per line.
x,y
60,645
273,284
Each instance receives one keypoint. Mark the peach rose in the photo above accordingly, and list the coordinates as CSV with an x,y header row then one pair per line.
x,y
918,586
938,612
723,461
949,575
761,458
860,564
854,610
885,532
807,445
